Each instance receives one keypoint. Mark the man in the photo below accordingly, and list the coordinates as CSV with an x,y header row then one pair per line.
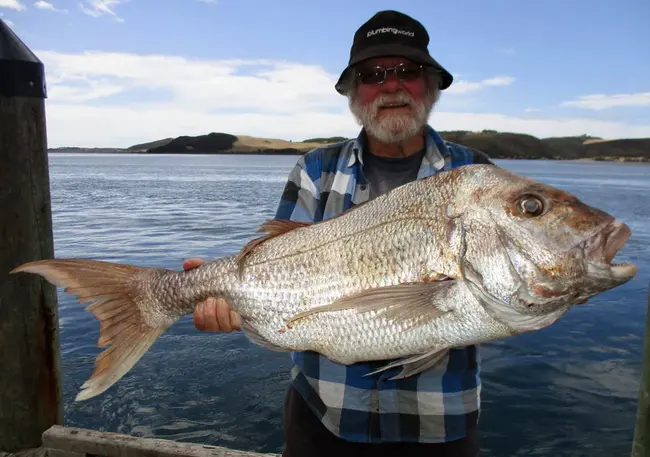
x,y
392,84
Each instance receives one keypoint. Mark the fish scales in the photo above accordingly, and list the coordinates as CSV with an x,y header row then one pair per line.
x,y
379,248
463,257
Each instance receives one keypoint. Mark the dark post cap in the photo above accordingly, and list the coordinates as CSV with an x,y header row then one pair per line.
x,y
21,73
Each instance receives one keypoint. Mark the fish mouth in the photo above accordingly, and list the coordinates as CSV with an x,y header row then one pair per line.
x,y
601,248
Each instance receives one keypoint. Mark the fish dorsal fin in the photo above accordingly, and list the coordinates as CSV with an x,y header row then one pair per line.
x,y
273,228
276,227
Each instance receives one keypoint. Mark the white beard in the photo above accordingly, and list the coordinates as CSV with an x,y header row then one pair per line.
x,y
395,127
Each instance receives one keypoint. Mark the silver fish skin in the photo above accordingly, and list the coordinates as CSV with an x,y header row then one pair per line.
x,y
466,256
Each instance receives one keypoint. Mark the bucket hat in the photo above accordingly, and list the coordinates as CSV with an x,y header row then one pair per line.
x,y
391,33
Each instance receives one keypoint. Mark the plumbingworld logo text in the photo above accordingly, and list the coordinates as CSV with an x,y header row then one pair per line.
x,y
390,30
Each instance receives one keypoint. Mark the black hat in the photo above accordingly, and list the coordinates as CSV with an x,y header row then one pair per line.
x,y
391,33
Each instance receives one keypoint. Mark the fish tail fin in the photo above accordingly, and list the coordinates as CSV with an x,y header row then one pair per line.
x,y
117,305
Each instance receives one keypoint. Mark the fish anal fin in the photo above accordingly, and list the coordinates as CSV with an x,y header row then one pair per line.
x,y
253,334
398,303
272,228
415,364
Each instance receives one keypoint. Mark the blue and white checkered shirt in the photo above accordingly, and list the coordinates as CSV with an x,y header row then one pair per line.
x,y
438,405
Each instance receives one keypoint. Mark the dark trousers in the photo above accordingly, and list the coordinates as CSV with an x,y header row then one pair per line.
x,y
306,436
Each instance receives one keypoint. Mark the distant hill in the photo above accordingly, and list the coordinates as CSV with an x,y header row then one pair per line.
x,y
503,145
331,139
224,143
624,149
143,147
498,145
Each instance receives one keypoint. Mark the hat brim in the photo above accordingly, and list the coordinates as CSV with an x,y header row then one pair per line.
x,y
396,49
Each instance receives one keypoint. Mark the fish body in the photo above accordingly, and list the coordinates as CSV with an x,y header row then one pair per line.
x,y
465,256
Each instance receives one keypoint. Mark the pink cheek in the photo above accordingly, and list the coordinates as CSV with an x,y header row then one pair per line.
x,y
417,89
367,93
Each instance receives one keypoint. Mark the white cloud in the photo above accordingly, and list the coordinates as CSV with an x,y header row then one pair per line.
x,y
193,84
600,102
41,4
119,99
13,4
463,87
97,8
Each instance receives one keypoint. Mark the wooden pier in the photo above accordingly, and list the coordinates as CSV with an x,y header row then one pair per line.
x,y
78,442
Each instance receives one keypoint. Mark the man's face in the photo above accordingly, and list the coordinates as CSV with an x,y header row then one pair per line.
x,y
393,110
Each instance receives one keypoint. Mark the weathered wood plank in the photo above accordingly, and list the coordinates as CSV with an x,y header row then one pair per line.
x,y
35,452
30,392
60,453
108,444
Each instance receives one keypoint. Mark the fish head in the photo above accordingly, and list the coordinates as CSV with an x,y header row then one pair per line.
x,y
532,250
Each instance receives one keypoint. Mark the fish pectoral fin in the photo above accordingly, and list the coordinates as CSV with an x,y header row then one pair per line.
x,y
399,302
254,336
413,365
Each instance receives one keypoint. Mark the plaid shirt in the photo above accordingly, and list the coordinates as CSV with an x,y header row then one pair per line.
x,y
438,405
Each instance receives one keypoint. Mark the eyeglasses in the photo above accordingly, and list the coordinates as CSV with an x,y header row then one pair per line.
x,y
377,75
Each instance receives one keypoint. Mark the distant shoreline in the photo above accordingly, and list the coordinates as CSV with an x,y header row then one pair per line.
x,y
285,153
497,145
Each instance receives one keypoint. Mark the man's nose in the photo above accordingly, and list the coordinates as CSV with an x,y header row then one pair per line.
x,y
391,83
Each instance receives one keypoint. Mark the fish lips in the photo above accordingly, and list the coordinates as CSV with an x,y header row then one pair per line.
x,y
601,248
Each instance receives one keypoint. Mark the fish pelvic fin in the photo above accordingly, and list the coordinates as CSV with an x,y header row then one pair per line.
x,y
117,305
272,228
253,334
399,303
414,364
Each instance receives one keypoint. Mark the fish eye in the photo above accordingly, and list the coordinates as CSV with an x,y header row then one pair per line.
x,y
531,206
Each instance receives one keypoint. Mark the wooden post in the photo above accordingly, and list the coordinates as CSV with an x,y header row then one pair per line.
x,y
641,443
30,391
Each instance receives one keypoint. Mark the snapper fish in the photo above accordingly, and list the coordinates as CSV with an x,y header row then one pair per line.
x,y
463,257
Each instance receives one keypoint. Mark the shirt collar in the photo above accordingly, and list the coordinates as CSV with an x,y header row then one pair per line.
x,y
435,153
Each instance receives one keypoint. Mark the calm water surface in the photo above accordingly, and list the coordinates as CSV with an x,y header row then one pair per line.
x,y
569,390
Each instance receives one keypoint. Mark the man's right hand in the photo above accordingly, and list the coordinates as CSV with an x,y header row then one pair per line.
x,y
213,315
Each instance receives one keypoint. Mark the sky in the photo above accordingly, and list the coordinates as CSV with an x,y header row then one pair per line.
x,y
122,72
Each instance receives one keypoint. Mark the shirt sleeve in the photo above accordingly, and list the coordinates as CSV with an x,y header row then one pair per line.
x,y
481,157
300,197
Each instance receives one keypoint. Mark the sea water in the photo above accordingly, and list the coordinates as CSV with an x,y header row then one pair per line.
x,y
568,390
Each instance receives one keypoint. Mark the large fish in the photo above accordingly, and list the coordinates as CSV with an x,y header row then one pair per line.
x,y
463,257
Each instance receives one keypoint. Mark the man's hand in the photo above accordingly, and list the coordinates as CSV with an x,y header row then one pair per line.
x,y
213,315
